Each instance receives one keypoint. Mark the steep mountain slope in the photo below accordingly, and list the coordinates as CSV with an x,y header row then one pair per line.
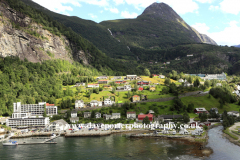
x,y
94,32
31,34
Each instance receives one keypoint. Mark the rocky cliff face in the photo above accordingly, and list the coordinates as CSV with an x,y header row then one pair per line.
x,y
204,38
20,36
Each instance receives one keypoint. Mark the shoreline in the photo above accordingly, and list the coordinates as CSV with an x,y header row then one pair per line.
x,y
199,148
80,134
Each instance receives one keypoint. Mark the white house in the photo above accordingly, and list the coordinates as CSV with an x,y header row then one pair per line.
x,y
131,115
98,115
107,116
102,77
93,85
87,114
116,115
131,76
127,87
74,114
167,62
95,103
233,113
58,125
151,112
108,102
187,84
79,104
181,80
218,84
190,55
162,76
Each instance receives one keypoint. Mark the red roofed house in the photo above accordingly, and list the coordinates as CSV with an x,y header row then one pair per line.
x,y
142,83
120,82
104,81
142,116
140,89
155,75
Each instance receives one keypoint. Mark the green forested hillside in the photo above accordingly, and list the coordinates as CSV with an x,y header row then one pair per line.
x,y
34,82
94,32
206,59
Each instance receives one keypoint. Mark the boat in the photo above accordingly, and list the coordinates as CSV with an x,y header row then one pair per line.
x,y
53,136
10,143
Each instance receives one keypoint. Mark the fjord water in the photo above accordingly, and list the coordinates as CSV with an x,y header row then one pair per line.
x,y
115,147
222,148
118,147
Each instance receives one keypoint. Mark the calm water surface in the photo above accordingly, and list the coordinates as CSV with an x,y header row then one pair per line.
x,y
222,148
118,147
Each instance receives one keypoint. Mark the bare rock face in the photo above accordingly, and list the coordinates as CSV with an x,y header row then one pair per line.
x,y
20,36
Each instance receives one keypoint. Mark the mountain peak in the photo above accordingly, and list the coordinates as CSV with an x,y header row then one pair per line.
x,y
161,10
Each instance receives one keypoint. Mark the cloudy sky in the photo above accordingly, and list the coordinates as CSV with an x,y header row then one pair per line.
x,y
219,19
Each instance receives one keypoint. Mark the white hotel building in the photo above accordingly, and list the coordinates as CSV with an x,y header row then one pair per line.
x,y
31,114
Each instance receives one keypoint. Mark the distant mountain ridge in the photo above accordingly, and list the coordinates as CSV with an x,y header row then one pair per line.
x,y
237,46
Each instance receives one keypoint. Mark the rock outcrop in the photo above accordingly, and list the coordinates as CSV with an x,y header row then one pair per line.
x,y
22,37
204,38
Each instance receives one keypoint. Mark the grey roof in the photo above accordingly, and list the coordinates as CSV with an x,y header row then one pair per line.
x,y
74,119
171,116
115,114
73,111
60,121
87,112
79,101
94,101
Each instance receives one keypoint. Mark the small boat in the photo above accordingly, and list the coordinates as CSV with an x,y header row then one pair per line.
x,y
53,136
10,143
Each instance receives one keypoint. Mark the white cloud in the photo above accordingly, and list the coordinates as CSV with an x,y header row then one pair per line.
x,y
114,10
201,28
140,3
92,15
230,6
180,6
183,6
119,2
57,5
205,1
214,8
126,14
229,36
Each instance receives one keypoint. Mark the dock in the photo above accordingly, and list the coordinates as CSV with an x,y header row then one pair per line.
x,y
33,143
